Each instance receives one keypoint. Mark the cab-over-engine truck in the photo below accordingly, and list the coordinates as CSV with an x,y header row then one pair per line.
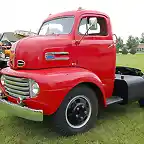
x,y
68,71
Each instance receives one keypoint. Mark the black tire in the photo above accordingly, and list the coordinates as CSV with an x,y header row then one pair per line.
x,y
3,64
60,119
141,103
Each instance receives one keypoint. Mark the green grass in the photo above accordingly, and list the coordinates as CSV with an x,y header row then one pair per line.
x,y
118,125
131,60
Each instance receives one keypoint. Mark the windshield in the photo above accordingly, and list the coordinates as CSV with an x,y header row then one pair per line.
x,y
61,25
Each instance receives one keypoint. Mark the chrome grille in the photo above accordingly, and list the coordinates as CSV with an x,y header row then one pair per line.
x,y
16,86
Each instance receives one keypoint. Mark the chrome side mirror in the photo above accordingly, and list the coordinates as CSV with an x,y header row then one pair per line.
x,y
115,39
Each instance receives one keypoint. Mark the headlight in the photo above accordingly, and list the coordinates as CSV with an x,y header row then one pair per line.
x,y
2,79
34,88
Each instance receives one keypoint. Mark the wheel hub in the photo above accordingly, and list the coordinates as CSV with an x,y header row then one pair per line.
x,y
78,111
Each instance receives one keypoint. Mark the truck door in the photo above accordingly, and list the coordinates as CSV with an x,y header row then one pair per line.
x,y
94,52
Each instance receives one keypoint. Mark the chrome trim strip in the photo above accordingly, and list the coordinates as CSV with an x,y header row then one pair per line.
x,y
53,57
61,58
58,53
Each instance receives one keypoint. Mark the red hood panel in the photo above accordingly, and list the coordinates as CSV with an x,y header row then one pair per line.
x,y
35,52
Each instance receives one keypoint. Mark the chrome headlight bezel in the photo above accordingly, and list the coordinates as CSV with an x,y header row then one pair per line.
x,y
34,88
2,80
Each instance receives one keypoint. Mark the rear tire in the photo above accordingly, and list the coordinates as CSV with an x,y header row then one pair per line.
x,y
77,113
141,103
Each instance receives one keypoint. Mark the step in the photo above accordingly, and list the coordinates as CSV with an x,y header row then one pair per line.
x,y
113,99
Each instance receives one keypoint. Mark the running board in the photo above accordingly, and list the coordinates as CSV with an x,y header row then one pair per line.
x,y
113,99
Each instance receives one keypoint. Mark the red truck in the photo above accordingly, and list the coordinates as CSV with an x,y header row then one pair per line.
x,y
68,72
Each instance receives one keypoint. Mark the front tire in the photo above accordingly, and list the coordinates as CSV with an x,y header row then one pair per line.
x,y
78,112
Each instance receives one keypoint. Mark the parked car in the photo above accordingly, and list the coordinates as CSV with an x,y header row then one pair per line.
x,y
7,39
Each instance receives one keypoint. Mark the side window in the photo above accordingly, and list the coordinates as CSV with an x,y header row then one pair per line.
x,y
101,27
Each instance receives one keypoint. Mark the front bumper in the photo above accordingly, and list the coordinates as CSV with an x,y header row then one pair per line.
x,y
20,111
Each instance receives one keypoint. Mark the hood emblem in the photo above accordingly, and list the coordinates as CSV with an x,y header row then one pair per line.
x,y
49,56
20,63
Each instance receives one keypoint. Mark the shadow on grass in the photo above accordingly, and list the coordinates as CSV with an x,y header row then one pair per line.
x,y
45,129
116,110
42,129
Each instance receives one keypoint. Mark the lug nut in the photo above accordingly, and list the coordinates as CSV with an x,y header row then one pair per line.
x,y
81,118
78,109
76,116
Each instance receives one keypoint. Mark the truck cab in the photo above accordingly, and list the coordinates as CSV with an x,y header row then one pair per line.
x,y
68,71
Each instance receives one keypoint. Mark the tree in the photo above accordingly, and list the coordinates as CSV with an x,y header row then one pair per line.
x,y
124,50
133,51
119,44
132,42
142,38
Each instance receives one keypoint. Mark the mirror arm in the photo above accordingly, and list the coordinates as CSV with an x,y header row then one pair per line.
x,y
116,38
114,43
77,42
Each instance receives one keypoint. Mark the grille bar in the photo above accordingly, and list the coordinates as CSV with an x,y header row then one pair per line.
x,y
16,83
16,86
16,91
15,95
16,79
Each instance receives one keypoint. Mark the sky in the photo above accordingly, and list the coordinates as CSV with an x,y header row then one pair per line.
x,y
126,15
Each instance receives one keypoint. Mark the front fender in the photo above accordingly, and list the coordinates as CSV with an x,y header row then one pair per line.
x,y
56,83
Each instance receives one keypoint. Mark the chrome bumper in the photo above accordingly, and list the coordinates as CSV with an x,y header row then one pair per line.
x,y
19,111
4,59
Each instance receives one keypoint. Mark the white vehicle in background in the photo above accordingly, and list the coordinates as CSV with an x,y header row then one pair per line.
x,y
23,33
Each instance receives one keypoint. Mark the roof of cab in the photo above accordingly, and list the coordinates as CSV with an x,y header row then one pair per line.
x,y
74,13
